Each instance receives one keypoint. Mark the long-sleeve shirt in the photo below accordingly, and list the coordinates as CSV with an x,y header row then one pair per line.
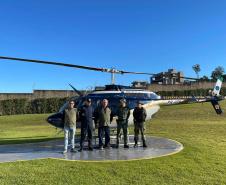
x,y
123,113
70,116
102,116
139,114
86,116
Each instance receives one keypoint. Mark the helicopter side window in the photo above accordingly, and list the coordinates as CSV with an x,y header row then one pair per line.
x,y
144,96
137,95
106,95
96,101
154,96
131,103
113,104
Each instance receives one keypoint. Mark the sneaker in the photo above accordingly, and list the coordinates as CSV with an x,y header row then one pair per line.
x,y
126,146
135,146
73,150
90,148
101,147
64,152
144,145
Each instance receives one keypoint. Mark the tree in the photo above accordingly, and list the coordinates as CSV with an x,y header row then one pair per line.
x,y
218,72
197,69
204,79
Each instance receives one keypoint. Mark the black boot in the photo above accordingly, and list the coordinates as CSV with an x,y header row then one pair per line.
x,y
126,146
90,146
81,149
135,145
117,143
135,140
144,144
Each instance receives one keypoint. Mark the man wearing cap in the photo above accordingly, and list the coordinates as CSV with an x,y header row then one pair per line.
x,y
139,115
123,114
102,120
86,118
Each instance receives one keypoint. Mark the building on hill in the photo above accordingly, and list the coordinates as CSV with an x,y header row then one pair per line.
x,y
171,77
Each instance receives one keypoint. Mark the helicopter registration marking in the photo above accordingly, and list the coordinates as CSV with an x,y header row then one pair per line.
x,y
171,102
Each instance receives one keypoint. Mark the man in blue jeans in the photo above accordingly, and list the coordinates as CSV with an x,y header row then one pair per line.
x,y
69,116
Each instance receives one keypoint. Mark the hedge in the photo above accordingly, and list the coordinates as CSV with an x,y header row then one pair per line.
x,y
36,106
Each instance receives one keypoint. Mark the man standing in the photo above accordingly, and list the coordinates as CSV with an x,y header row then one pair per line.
x,y
123,114
102,120
69,116
139,115
86,117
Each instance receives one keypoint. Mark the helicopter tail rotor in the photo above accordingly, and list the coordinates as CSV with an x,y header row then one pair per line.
x,y
216,96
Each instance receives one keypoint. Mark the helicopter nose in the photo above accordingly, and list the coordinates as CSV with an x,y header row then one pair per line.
x,y
56,120
50,119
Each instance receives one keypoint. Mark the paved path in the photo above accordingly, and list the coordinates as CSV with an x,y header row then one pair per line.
x,y
157,147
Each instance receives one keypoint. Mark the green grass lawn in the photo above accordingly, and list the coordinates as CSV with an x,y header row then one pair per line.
x,y
197,127
26,128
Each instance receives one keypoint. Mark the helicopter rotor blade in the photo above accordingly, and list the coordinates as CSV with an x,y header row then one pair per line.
x,y
55,63
74,66
112,70
136,73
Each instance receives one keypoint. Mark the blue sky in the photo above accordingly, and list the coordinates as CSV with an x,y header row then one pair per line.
x,y
142,35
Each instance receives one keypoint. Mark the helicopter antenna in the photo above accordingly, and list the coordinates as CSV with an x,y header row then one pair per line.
x,y
77,91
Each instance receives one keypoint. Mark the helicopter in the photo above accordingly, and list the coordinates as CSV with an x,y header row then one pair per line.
x,y
114,93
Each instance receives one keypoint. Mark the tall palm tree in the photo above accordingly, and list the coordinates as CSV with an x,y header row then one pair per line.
x,y
197,69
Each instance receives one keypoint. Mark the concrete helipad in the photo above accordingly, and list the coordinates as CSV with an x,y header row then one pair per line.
x,y
157,147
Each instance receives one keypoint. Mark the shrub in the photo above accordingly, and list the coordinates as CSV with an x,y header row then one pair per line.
x,y
36,106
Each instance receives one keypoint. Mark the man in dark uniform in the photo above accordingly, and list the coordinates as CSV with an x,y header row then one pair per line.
x,y
86,117
123,114
139,115
103,119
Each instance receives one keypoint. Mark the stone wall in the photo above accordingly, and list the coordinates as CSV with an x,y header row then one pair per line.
x,y
53,93
38,94
7,96
200,85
